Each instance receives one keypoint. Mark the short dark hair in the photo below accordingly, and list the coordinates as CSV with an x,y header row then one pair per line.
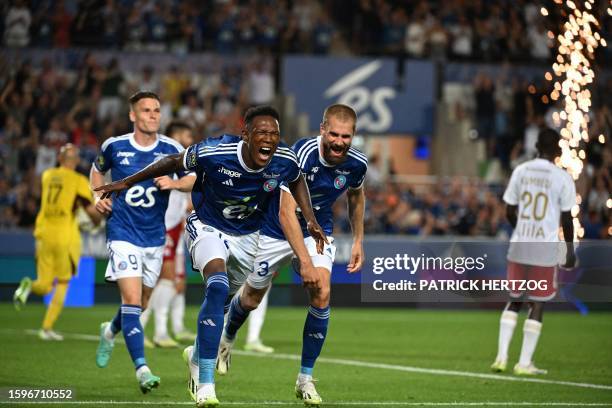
x,y
176,126
261,110
142,95
342,112
548,140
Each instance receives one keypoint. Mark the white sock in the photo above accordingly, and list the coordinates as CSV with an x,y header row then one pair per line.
x,y
166,292
108,333
531,334
177,313
141,370
507,323
302,378
256,319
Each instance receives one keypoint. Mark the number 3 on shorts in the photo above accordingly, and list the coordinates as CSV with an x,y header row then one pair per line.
x,y
264,268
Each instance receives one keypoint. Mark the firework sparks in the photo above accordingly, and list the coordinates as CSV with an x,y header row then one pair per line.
x,y
573,71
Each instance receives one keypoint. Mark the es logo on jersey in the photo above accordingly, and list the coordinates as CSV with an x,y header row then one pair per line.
x,y
122,265
340,181
270,185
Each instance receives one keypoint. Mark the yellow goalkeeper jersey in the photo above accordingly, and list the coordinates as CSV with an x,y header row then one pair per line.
x,y
63,190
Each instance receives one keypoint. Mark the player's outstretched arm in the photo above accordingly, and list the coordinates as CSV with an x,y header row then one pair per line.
x,y
356,210
184,184
300,192
162,167
293,234
567,223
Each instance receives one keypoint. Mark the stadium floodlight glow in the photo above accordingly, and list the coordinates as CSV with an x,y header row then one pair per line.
x,y
573,68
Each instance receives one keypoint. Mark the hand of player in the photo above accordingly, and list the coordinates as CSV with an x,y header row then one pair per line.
x,y
570,259
104,206
115,187
310,276
356,258
165,183
315,231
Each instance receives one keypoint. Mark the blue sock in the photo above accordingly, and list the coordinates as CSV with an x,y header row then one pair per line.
x,y
315,331
116,322
236,318
210,325
133,333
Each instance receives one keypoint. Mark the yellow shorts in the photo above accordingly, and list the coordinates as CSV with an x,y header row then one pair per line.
x,y
57,259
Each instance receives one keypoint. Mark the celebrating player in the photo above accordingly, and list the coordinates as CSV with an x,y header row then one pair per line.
x,y
169,294
331,167
63,190
135,229
539,196
235,181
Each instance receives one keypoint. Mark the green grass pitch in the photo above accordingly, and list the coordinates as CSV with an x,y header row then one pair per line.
x,y
372,357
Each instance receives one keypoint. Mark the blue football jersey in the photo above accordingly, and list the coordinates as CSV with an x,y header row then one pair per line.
x,y
227,194
138,212
325,182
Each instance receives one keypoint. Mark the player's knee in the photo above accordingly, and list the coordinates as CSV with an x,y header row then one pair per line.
x,y
42,287
212,266
514,306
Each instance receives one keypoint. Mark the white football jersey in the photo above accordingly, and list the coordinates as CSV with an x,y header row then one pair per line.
x,y
541,190
177,208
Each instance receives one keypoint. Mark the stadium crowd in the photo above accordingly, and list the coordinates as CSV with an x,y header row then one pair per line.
x,y
42,107
456,29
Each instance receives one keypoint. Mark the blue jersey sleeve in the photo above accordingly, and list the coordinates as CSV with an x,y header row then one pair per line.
x,y
104,160
362,167
192,160
292,168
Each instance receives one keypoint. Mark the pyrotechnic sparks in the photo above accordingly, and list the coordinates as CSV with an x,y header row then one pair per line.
x,y
573,69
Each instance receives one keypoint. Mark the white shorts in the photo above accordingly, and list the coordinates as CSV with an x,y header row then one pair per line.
x,y
273,254
206,243
127,260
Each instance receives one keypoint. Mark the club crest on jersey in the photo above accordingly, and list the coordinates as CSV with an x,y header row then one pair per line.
x,y
270,185
122,265
340,181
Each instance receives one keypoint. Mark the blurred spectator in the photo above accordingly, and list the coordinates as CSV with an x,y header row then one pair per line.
x,y
17,25
540,43
111,90
416,37
260,84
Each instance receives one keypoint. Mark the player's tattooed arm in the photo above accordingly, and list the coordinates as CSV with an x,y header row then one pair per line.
x,y
356,210
299,190
567,224
511,214
164,166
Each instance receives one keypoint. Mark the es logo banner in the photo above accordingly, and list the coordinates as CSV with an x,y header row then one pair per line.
x,y
369,86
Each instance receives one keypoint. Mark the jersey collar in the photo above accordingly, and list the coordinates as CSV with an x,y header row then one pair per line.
x,y
241,159
136,146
